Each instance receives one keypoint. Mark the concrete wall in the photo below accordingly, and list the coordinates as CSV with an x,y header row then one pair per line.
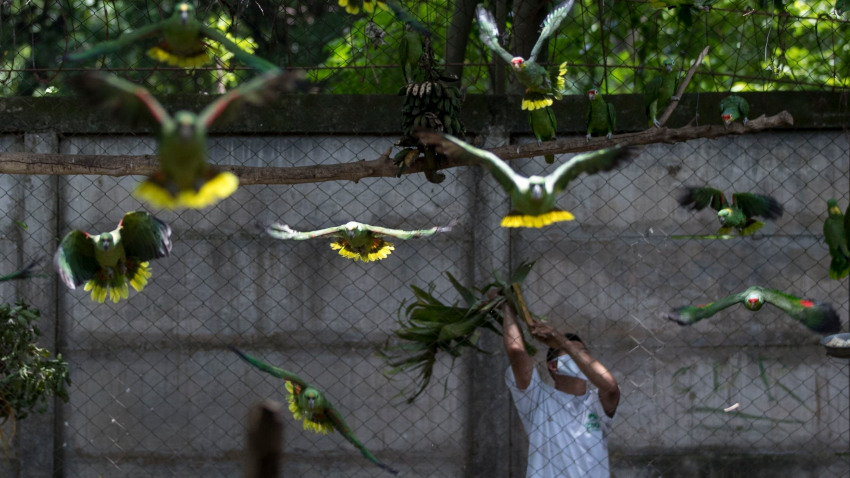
x,y
156,393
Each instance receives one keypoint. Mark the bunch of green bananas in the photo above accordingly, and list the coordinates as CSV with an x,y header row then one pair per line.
x,y
432,104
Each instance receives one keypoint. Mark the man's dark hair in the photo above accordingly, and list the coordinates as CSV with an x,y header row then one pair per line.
x,y
552,353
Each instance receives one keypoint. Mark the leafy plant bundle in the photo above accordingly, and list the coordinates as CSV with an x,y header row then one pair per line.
x,y
27,376
428,326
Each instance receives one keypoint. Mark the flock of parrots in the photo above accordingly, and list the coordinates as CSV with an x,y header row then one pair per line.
x,y
106,263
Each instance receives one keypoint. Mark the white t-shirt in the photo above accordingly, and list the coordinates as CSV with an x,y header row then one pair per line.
x,y
567,434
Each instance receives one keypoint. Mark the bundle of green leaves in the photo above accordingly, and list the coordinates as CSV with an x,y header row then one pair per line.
x,y
28,377
428,326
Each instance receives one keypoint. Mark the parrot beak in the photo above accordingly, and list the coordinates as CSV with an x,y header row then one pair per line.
x,y
591,94
536,192
184,13
517,63
753,303
310,402
669,68
726,119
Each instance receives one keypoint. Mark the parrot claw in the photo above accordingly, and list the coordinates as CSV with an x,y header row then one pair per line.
x,y
587,138
656,123
609,135
675,98
745,120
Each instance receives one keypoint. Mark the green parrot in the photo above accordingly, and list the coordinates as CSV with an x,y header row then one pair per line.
x,y
659,92
185,178
24,273
601,117
815,315
106,262
310,405
733,107
354,6
355,240
532,198
182,42
841,6
409,51
543,124
541,87
739,214
836,238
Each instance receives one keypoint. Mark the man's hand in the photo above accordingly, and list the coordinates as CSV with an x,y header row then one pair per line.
x,y
547,334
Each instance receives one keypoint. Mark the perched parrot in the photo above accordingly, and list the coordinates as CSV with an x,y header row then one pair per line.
x,y
310,405
601,117
817,316
733,107
355,240
182,42
739,214
409,50
106,262
542,88
836,238
659,92
841,6
543,125
185,178
532,198
24,273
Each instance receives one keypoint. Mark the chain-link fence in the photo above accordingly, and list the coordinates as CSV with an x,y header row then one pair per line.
x,y
155,391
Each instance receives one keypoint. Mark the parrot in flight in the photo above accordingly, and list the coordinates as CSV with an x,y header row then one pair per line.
x,y
532,198
355,240
835,233
659,92
182,42
310,405
541,88
733,107
185,178
601,117
105,262
739,214
817,316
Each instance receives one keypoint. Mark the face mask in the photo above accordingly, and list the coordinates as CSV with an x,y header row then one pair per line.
x,y
567,367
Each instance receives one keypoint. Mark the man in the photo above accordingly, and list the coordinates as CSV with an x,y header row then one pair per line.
x,y
568,425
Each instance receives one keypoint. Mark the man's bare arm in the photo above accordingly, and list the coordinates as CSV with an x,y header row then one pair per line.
x,y
521,362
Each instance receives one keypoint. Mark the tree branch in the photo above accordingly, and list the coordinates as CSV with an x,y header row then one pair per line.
x,y
72,164
681,90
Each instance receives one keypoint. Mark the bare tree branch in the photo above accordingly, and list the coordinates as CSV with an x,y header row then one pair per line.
x,y
681,90
72,164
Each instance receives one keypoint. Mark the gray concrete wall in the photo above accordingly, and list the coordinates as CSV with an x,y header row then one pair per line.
x,y
156,393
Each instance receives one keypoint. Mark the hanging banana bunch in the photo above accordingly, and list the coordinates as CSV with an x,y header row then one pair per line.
x,y
434,104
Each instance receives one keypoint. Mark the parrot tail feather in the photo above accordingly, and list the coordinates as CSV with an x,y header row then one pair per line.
x,y
154,191
540,220
535,101
164,56
138,273
380,249
98,290
561,78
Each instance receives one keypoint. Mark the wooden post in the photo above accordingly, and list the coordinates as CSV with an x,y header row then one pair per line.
x,y
264,447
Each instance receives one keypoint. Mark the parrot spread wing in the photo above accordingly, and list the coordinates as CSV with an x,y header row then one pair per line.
x,y
757,205
120,98
277,372
699,198
817,316
128,38
74,260
489,33
340,425
254,62
550,24
282,231
455,148
260,90
590,163
690,314
144,236
402,234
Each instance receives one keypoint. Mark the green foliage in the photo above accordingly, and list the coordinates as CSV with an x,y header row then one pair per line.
x,y
430,326
28,377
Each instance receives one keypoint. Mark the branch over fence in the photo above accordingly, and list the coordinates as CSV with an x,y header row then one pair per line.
x,y
103,165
